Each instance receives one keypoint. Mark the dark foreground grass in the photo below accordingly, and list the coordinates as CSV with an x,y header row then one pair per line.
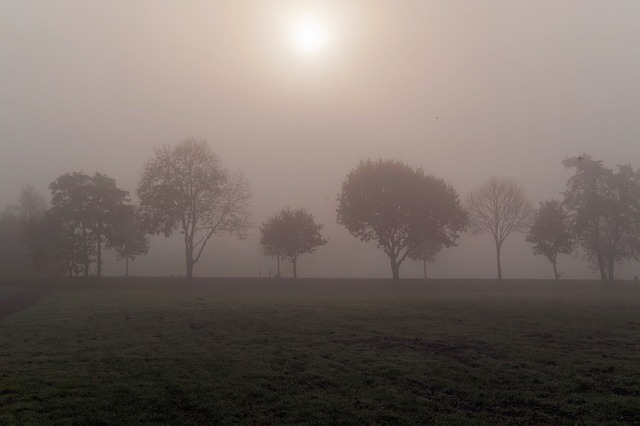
x,y
234,351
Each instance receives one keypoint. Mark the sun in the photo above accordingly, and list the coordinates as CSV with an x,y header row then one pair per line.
x,y
309,34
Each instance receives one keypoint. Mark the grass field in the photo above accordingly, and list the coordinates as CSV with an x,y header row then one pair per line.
x,y
249,351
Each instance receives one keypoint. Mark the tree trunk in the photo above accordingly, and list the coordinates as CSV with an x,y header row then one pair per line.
x,y
189,262
555,269
188,244
295,272
126,266
611,265
99,256
189,270
424,267
395,269
601,265
498,247
278,274
85,248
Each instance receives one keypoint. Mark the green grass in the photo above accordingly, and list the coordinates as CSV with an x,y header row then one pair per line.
x,y
242,351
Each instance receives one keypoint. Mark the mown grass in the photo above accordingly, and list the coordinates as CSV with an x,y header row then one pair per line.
x,y
244,351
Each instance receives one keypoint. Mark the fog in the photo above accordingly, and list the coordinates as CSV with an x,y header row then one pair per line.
x,y
464,89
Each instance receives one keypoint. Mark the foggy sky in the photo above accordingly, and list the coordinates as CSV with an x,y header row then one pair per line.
x,y
516,86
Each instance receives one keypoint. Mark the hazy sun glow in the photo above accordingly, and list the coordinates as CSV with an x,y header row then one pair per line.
x,y
309,34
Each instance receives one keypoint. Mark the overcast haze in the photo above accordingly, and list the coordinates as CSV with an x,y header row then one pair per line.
x,y
464,89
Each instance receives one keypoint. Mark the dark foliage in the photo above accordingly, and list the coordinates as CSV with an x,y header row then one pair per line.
x,y
289,234
399,207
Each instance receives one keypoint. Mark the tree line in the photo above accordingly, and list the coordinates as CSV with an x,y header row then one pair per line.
x,y
408,213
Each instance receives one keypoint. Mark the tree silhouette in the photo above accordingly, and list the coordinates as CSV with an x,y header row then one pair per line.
x,y
56,244
426,252
185,187
289,234
399,207
499,207
550,234
87,208
129,239
604,212
32,204
17,224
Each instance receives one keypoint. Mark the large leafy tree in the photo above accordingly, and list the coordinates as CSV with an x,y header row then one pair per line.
x,y
289,234
88,208
399,207
550,234
604,212
499,207
186,188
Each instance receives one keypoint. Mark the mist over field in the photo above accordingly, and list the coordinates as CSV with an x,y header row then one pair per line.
x,y
449,190
465,90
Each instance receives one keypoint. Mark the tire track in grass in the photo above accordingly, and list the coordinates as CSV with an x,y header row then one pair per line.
x,y
14,302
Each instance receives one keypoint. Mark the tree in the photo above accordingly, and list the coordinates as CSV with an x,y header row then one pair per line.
x,y
12,248
499,207
56,245
271,231
550,234
129,239
399,207
32,204
185,187
88,207
426,252
604,211
289,234
16,225
70,212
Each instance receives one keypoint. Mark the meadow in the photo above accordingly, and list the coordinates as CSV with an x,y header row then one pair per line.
x,y
319,351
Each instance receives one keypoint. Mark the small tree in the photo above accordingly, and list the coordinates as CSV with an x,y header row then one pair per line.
x,y
499,207
186,188
289,234
549,233
32,204
426,252
129,239
399,207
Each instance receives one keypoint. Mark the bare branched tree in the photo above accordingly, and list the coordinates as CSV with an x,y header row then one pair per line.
x,y
499,207
185,187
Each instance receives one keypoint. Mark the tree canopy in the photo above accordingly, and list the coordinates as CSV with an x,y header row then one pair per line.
x,y
399,207
88,209
186,187
289,234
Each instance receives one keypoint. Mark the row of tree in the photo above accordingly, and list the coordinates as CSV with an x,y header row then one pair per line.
x,y
413,215
88,214
408,213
